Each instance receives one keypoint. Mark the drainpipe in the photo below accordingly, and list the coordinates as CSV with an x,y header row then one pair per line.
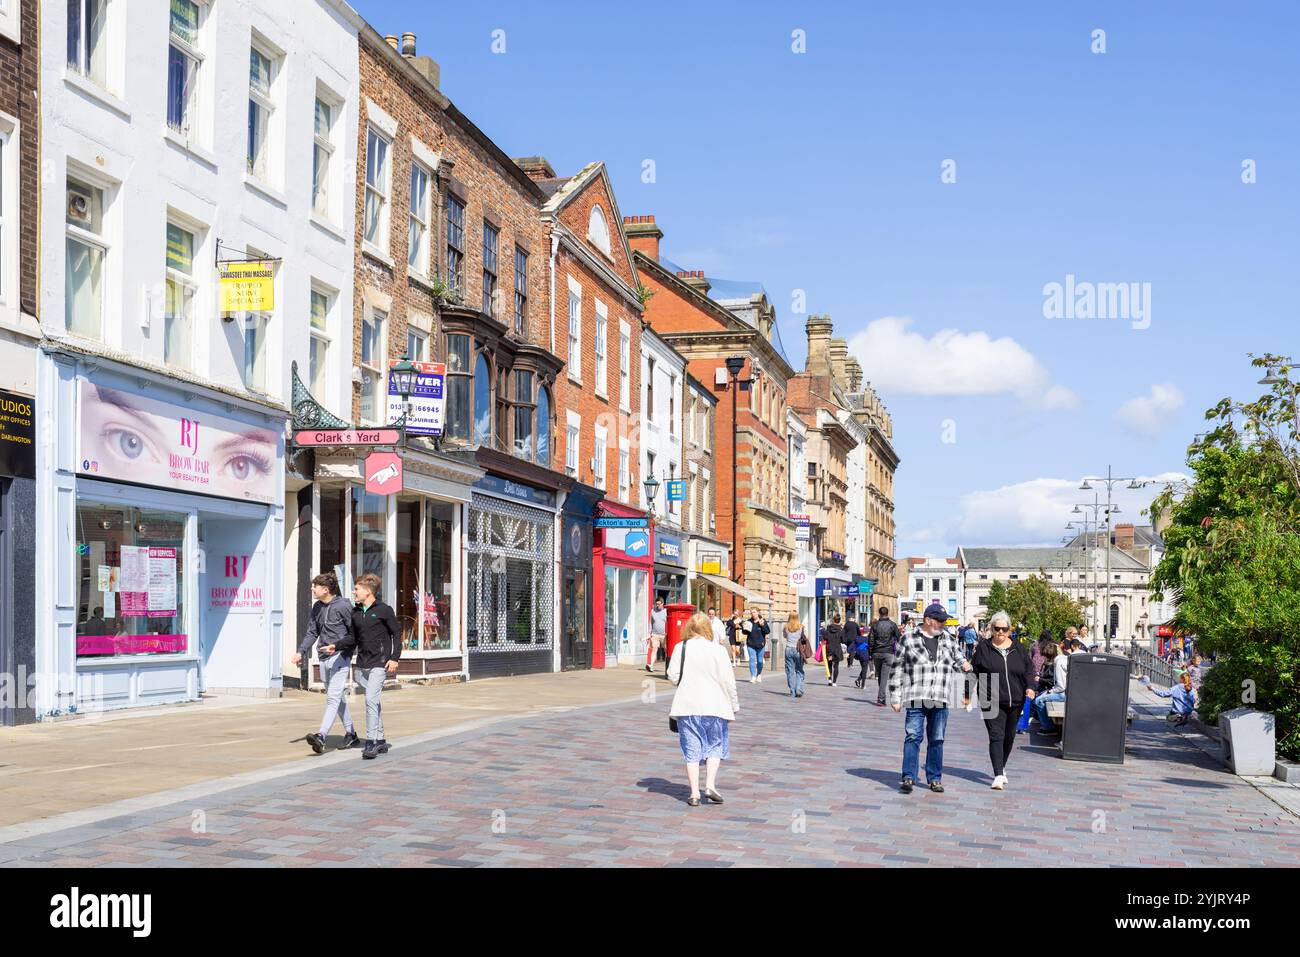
x,y
555,250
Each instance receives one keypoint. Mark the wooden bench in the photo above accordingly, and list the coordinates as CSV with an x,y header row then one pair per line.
x,y
1056,711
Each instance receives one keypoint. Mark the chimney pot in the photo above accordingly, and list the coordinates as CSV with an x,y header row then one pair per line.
x,y
644,236
408,45
391,40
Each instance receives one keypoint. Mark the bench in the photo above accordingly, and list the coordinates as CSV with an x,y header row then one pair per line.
x,y
1056,711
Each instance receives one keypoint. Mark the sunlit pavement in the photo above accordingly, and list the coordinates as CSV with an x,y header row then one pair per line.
x,y
811,782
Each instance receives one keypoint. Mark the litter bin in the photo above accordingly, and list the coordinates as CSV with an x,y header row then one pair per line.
x,y
678,614
1247,739
1096,708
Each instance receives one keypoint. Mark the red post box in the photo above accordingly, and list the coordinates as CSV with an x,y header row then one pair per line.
x,y
678,615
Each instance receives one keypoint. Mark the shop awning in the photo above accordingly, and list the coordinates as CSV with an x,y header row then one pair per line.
x,y
726,584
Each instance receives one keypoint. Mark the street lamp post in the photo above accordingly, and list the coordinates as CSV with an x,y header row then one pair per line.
x,y
1090,581
403,375
734,365
651,485
1111,509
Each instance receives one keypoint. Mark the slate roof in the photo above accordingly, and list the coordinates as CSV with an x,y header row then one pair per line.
x,y
1045,558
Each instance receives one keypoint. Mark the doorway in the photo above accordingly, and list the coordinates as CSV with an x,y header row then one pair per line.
x,y
575,648
233,604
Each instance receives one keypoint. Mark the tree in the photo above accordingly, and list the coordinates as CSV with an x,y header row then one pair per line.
x,y
1232,554
1035,606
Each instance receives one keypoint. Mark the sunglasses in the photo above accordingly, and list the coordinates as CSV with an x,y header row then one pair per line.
x,y
1000,628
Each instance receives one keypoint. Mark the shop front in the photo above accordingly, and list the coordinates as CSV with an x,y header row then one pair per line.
x,y
17,555
709,571
622,565
577,649
670,567
835,594
163,502
511,561
411,540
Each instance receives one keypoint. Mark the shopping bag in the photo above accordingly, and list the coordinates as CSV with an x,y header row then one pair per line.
x,y
820,646
1023,723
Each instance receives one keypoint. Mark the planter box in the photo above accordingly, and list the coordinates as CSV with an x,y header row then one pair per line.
x,y
1248,742
1288,771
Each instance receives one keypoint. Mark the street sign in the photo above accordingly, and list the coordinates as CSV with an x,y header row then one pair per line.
x,y
637,545
383,473
425,417
346,437
613,521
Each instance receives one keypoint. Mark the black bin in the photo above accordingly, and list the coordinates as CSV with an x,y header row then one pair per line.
x,y
1096,708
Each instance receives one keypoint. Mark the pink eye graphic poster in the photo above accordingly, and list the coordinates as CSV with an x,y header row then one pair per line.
x,y
144,440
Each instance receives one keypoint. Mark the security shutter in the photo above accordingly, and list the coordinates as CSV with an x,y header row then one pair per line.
x,y
511,601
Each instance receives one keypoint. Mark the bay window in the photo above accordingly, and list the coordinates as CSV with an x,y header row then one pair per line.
x,y
524,408
456,418
482,402
543,426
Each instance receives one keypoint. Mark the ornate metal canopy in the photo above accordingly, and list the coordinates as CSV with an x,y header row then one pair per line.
x,y
310,414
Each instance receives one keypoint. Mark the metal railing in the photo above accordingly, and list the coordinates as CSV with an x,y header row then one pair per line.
x,y
1144,662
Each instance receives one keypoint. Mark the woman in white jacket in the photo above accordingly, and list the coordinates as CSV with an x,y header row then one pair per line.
x,y
704,706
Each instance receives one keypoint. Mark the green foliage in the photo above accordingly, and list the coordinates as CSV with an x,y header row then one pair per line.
x,y
644,294
1035,607
1232,555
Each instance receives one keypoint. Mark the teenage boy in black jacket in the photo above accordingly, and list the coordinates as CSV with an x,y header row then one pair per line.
x,y
330,624
377,639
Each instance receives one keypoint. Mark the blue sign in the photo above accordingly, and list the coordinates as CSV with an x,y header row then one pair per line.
x,y
828,588
426,402
677,490
524,493
637,545
866,586
613,521
669,547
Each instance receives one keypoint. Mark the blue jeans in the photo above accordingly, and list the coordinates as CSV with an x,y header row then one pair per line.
x,y
1040,709
933,722
794,671
755,661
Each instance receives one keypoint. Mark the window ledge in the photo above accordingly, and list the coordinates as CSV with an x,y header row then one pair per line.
x,y
325,226
577,380
190,148
97,93
255,183
602,395
421,280
372,251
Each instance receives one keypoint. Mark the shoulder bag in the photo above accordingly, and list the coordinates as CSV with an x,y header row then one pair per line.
x,y
672,722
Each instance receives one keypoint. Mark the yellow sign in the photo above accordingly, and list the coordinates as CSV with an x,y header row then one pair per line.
x,y
711,568
247,287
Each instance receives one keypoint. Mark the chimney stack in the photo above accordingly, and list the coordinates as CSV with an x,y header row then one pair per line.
x,y
643,235
853,369
819,329
695,279
536,167
408,45
1124,537
839,353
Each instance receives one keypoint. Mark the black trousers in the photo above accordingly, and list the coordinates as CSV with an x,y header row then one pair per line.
x,y
1001,726
832,666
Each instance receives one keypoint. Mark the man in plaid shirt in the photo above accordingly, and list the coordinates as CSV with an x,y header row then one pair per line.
x,y
924,677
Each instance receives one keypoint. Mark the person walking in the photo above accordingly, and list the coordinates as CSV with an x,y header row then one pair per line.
x,y
796,644
1004,679
852,635
736,635
704,706
719,631
969,636
329,624
883,642
923,679
833,651
376,641
658,633
756,641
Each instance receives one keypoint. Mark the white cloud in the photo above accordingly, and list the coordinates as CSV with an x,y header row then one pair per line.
x,y
1034,512
954,363
1148,415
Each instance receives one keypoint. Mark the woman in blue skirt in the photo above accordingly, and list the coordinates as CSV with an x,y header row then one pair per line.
x,y
704,706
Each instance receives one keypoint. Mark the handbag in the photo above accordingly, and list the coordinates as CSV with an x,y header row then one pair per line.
x,y
672,722
804,647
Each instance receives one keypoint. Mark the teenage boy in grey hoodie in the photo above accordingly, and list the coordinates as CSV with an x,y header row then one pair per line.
x,y
330,622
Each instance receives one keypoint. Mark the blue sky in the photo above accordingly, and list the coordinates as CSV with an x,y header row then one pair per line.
x,y
821,172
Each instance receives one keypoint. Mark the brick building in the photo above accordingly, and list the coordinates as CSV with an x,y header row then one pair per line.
x,y
708,327
597,327
20,171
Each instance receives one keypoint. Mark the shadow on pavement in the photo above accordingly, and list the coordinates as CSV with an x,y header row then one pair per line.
x,y
663,786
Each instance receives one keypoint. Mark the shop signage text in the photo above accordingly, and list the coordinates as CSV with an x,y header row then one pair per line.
x,y
347,437
669,547
614,521
711,563
832,589
246,287
17,435
798,577
425,415
866,586
525,493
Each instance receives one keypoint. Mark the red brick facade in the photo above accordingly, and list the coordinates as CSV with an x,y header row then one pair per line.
x,y
19,86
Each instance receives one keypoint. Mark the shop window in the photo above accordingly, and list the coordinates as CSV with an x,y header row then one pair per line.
x,y
131,581
437,621
333,521
409,593
369,532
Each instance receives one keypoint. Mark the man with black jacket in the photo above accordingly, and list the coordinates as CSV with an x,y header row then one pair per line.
x,y
330,624
883,641
377,639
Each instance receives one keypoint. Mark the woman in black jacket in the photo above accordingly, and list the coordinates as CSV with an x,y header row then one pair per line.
x,y
834,650
1004,677
756,640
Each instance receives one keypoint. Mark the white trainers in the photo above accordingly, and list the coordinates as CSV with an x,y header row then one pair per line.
x,y
759,679
998,782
